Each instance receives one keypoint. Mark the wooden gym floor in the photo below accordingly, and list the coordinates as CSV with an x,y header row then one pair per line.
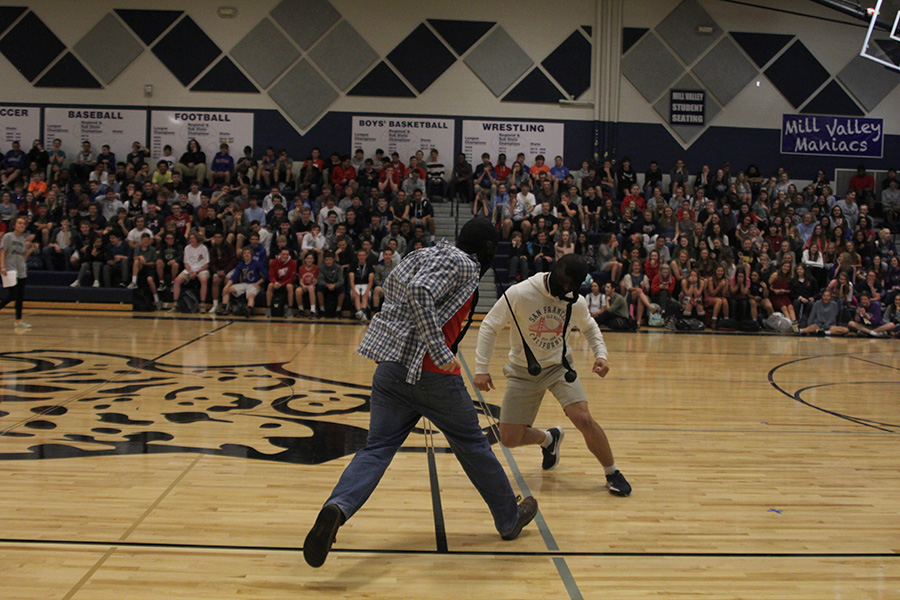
x,y
185,458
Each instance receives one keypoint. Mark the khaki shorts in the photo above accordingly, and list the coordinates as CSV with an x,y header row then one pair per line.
x,y
524,393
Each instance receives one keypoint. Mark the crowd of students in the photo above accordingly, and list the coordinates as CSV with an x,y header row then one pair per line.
x,y
727,248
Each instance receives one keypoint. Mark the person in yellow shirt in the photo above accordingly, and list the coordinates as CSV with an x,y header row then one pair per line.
x,y
162,175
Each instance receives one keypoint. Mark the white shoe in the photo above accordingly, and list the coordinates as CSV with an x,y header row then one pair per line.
x,y
75,283
22,325
363,318
131,286
96,284
359,315
213,310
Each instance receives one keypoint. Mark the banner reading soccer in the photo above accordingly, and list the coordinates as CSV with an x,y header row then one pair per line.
x,y
404,135
510,138
20,124
177,127
832,136
98,125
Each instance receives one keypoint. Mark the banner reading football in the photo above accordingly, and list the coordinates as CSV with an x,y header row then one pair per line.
x,y
832,136
98,125
20,124
404,135
177,127
510,138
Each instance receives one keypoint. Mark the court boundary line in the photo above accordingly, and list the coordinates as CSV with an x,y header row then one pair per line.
x,y
526,553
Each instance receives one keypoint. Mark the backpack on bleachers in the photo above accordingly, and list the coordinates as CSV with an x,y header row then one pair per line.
x,y
189,302
655,319
142,300
238,305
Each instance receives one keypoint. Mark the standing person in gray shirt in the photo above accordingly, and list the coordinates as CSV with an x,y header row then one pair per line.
x,y
14,251
823,318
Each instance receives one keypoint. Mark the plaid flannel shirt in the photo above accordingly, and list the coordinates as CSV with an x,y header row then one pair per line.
x,y
420,295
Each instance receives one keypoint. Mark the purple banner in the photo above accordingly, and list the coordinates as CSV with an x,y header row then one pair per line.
x,y
832,136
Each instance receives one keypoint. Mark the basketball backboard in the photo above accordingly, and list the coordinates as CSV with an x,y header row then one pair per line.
x,y
885,51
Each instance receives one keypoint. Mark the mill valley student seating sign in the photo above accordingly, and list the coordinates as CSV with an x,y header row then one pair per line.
x,y
687,107
832,136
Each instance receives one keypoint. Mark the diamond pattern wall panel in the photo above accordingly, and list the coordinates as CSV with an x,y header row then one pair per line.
x,y
797,74
303,94
30,46
679,29
382,82
148,24
265,53
186,50
725,71
890,50
343,55
688,133
832,100
761,47
421,58
108,48
460,35
305,20
225,77
651,68
570,64
68,72
868,81
631,36
534,87
8,14
498,61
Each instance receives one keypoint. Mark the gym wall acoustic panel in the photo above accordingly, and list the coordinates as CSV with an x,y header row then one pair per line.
x,y
868,81
631,36
382,82
303,94
534,87
108,48
421,58
725,71
265,53
832,100
498,61
343,55
679,29
68,72
148,24
570,64
224,76
761,47
30,46
305,20
186,50
460,35
650,67
797,74
8,15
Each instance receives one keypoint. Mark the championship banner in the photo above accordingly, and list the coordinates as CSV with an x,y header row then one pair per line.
x,y
20,124
832,136
404,135
687,107
510,138
98,125
209,128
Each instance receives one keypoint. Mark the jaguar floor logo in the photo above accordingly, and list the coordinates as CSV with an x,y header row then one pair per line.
x,y
59,404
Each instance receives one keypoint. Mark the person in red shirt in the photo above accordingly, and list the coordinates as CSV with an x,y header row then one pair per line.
x,y
502,170
399,167
864,185
182,220
343,176
662,288
282,274
317,159
389,180
309,276
634,199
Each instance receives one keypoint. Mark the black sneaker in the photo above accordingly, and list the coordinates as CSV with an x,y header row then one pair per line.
x,y
551,452
322,535
527,510
617,485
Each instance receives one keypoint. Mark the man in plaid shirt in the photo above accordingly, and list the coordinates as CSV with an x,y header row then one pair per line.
x,y
427,298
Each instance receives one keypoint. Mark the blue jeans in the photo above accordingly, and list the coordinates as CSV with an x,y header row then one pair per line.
x,y
396,408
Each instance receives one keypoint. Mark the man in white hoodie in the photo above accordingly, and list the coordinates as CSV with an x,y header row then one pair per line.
x,y
542,308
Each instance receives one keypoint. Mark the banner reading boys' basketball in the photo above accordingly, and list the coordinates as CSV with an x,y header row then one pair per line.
x,y
832,136
510,138
210,128
403,135
99,125
20,124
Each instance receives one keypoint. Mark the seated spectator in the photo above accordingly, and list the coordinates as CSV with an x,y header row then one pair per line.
x,y
192,164
892,317
382,270
869,318
283,171
864,185
196,266
222,167
691,295
615,312
739,296
487,208
662,290
361,283
282,276
246,280
421,212
543,254
565,244
823,318
118,256
314,241
636,287
596,300
92,261
144,265
804,289
780,292
308,278
436,184
890,202
518,259
330,284
58,252
462,180
222,261
759,296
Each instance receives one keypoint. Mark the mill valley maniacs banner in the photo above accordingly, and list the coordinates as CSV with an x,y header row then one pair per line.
x,y
832,136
